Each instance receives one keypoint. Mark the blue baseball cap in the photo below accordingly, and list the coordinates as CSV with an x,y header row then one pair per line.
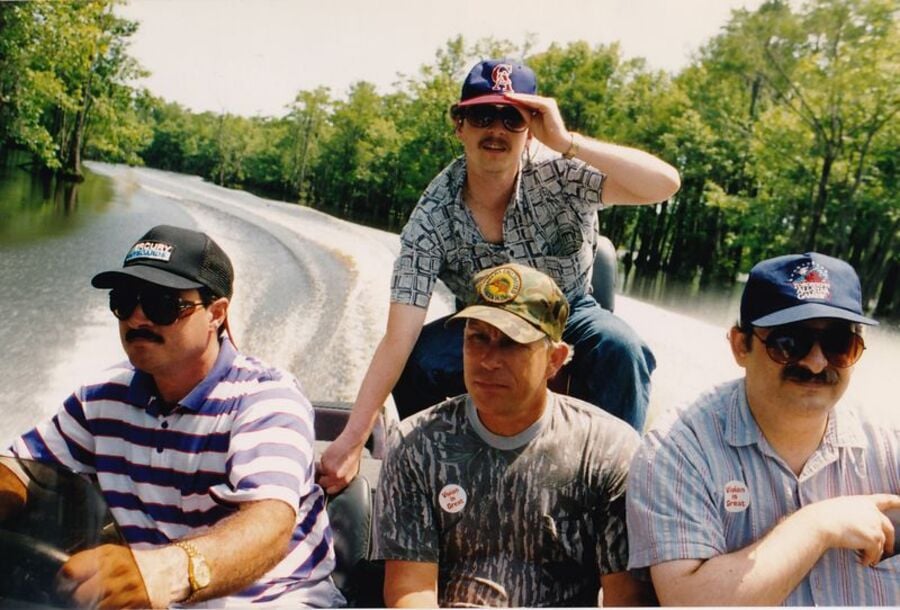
x,y
798,287
489,81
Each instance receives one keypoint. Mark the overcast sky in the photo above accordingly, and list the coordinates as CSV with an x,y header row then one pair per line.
x,y
252,56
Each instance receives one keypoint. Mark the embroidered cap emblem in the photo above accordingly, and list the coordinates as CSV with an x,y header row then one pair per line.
x,y
501,286
152,250
810,281
500,75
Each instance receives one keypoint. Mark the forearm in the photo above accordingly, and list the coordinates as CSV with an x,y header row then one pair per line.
x,y
621,589
404,325
410,584
239,550
415,599
380,378
763,573
632,175
246,545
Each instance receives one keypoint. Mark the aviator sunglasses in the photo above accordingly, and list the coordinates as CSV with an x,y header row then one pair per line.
x,y
789,344
162,307
484,115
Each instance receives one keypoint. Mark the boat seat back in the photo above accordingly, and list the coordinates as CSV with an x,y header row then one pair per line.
x,y
350,512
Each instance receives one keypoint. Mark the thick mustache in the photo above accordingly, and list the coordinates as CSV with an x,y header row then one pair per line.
x,y
142,333
492,140
794,372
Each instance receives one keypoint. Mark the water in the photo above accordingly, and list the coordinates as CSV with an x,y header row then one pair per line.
x,y
311,293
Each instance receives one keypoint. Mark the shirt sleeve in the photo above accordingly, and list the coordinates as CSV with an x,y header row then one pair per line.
x,y
64,439
270,453
671,514
407,530
574,182
420,260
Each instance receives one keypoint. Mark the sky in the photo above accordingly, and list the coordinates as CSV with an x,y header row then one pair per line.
x,y
251,57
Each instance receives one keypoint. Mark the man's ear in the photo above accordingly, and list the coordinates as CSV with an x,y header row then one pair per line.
x,y
738,342
218,310
558,357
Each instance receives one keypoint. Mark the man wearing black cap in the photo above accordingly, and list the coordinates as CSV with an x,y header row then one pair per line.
x,y
204,455
509,495
498,204
769,490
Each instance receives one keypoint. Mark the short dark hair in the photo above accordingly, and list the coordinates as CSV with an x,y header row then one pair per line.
x,y
745,329
207,295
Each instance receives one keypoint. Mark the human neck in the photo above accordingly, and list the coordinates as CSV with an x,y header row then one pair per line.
x,y
794,437
173,385
511,424
490,190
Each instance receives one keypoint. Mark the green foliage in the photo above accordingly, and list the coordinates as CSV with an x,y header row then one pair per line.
x,y
63,79
784,129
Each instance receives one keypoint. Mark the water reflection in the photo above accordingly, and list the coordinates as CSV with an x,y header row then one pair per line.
x,y
36,205
716,305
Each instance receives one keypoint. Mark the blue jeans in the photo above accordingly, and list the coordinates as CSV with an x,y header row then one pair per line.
x,y
611,367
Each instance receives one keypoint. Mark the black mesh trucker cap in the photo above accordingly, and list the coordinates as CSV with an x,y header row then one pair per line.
x,y
174,257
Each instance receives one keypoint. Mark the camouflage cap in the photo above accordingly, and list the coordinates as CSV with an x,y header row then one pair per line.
x,y
523,303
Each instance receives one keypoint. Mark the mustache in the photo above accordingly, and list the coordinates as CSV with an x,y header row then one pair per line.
x,y
794,372
142,333
493,140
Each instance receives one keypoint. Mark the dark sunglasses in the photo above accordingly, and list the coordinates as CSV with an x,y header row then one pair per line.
x,y
484,115
162,307
790,344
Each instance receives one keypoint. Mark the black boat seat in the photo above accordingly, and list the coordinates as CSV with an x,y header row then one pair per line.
x,y
350,512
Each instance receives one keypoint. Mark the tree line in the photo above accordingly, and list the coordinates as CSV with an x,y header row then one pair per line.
x,y
783,126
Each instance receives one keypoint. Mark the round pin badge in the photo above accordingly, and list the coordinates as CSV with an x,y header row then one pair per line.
x,y
737,497
452,498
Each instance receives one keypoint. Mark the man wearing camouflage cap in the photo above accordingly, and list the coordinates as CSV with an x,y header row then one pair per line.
x,y
509,495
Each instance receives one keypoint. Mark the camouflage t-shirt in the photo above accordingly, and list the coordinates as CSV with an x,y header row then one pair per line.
x,y
550,224
529,520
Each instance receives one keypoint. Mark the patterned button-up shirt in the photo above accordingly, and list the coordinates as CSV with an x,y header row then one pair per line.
x,y
550,224
706,483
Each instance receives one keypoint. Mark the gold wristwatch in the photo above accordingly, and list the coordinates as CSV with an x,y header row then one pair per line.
x,y
199,574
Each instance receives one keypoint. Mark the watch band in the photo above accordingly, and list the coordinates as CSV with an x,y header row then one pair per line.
x,y
195,560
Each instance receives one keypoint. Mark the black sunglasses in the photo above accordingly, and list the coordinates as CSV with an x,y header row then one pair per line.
x,y
162,307
790,344
483,115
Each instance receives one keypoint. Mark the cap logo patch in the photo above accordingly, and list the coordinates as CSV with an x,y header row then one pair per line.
x,y
810,281
501,78
152,250
501,286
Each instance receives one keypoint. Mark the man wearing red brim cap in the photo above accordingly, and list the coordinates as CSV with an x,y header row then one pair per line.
x,y
498,203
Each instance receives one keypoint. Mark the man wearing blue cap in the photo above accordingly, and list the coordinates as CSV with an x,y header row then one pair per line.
x,y
769,490
497,204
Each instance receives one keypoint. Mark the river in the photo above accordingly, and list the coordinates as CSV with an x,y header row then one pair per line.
x,y
311,293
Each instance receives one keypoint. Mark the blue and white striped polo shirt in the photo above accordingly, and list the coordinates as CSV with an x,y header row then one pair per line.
x,y
245,433
705,483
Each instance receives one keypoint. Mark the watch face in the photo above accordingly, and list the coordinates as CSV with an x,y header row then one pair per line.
x,y
201,574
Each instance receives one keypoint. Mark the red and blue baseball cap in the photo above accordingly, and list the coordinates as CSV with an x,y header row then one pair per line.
x,y
489,82
798,287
